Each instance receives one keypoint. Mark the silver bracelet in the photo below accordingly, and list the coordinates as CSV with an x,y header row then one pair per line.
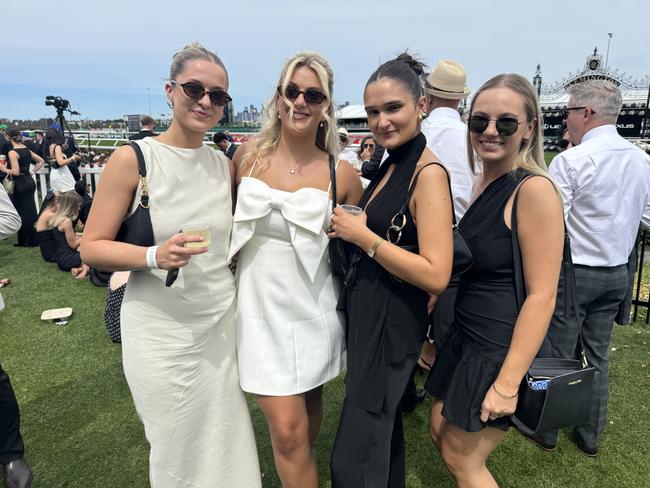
x,y
151,257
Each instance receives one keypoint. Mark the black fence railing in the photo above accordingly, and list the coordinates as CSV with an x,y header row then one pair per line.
x,y
637,301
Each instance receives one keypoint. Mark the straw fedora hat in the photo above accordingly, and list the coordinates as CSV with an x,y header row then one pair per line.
x,y
447,80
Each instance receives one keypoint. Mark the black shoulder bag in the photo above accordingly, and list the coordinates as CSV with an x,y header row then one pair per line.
x,y
136,228
462,258
338,257
554,392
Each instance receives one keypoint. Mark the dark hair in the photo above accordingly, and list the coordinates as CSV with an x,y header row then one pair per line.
x,y
81,187
363,142
405,69
52,136
14,134
146,120
219,137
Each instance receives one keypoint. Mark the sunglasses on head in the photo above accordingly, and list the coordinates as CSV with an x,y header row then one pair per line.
x,y
312,96
506,126
196,91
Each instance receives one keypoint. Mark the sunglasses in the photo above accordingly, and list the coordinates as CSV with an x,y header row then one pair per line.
x,y
312,96
367,146
565,111
196,91
506,126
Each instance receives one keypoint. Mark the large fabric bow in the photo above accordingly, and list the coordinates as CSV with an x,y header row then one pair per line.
x,y
304,210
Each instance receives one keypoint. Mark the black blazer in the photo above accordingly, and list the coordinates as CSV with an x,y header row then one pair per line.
x,y
230,152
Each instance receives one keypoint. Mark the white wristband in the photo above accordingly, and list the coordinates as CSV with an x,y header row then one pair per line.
x,y
151,257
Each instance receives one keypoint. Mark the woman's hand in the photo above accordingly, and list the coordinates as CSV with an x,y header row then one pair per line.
x,y
496,406
172,254
350,228
366,154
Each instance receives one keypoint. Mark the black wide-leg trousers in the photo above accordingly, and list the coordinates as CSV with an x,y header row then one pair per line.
x,y
11,442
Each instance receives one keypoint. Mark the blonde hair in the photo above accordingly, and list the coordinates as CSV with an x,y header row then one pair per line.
x,y
189,53
531,153
67,208
326,135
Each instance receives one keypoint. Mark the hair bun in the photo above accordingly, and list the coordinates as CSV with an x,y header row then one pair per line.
x,y
413,63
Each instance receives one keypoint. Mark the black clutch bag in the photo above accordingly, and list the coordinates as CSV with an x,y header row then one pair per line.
x,y
136,228
554,392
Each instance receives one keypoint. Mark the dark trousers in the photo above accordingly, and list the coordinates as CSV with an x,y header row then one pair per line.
x,y
369,448
11,442
599,292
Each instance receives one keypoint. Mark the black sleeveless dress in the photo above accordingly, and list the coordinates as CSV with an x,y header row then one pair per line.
x,y
49,247
485,312
66,257
23,199
386,321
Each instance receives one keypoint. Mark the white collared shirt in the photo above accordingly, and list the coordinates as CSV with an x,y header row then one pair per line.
x,y
447,137
605,185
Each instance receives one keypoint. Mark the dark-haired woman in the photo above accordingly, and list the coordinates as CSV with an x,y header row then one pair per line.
x,y
491,343
387,290
61,178
20,159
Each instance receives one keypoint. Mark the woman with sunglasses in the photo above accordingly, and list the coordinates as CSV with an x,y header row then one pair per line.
x,y
491,344
366,148
178,342
403,252
290,338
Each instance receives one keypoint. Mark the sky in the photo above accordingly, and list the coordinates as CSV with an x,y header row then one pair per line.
x,y
111,57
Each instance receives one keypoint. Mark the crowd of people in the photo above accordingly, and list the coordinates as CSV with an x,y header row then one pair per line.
x,y
292,206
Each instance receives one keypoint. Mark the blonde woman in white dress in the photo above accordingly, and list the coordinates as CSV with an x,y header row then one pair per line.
x,y
178,342
290,338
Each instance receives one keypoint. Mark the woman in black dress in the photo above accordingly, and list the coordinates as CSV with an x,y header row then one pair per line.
x,y
388,285
68,257
490,346
18,165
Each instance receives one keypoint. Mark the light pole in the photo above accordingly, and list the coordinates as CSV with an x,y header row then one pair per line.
x,y
609,40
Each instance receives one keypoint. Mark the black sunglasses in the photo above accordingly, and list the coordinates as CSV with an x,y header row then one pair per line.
x,y
565,111
312,96
506,126
367,145
196,91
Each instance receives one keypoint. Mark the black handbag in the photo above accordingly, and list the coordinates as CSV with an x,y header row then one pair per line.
x,y
462,258
554,392
336,250
136,228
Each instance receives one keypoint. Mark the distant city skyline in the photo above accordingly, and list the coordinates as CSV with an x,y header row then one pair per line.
x,y
111,59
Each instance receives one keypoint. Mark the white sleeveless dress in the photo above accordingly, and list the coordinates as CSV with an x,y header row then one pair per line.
x,y
290,338
178,343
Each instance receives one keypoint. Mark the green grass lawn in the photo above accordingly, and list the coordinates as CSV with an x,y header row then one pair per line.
x,y
81,429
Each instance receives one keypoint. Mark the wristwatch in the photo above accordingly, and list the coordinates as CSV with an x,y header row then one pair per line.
x,y
373,250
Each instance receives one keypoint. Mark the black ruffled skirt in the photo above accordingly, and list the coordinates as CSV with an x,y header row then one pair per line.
x,y
460,378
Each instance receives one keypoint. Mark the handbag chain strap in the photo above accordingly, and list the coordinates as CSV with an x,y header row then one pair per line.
x,y
569,282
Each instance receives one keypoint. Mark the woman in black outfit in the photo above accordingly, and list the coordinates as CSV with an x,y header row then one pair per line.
x,y
388,285
491,344
24,186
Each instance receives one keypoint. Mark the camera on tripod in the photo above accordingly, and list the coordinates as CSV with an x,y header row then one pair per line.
x,y
59,103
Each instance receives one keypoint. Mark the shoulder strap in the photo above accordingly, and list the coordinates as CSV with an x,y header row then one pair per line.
x,y
333,181
404,207
252,168
569,282
142,171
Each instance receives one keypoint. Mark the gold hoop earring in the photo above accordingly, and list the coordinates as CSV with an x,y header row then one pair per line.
x,y
422,116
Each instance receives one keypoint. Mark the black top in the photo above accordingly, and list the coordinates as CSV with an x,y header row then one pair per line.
x,y
24,160
486,308
386,321
142,134
48,245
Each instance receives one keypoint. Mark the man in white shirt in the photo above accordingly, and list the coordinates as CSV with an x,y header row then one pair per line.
x,y
447,138
16,470
347,153
605,185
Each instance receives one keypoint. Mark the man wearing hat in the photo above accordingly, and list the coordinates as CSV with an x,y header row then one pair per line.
x,y
447,138
346,153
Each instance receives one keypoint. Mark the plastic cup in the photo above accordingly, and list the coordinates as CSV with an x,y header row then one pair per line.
x,y
352,209
197,228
